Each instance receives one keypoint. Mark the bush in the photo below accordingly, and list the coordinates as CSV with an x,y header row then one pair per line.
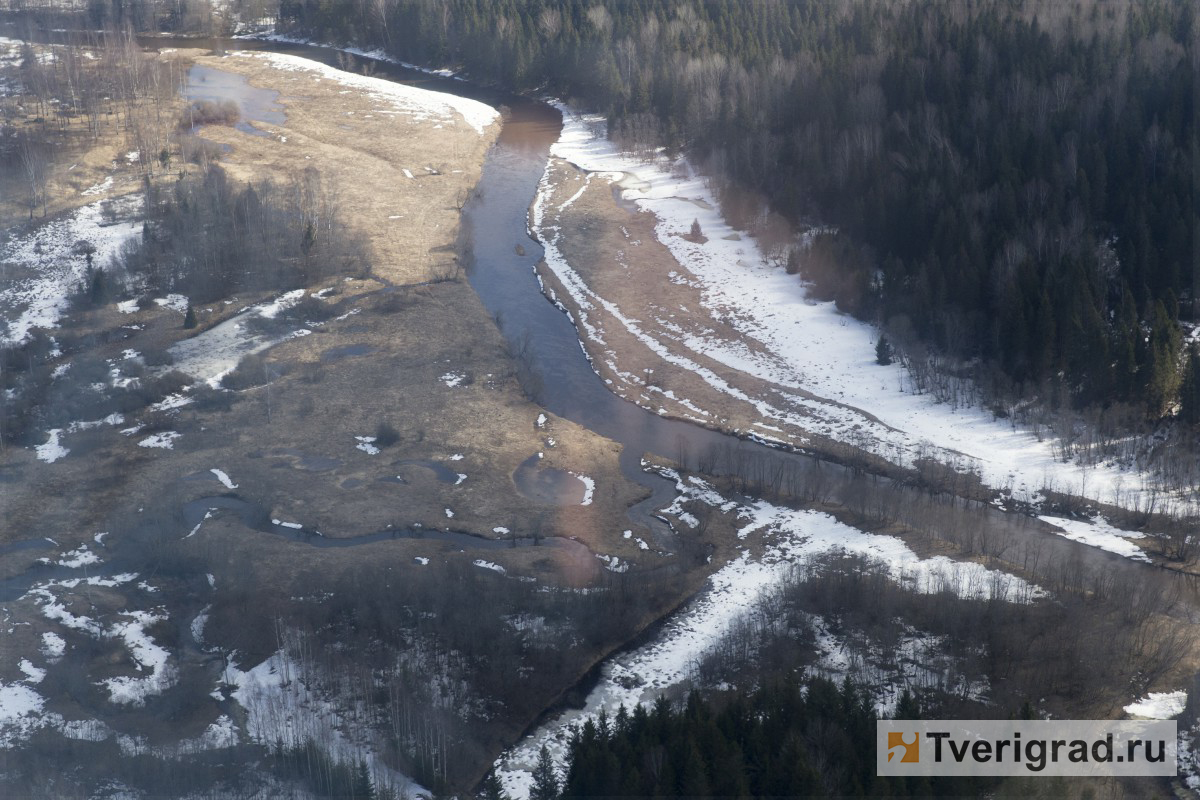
x,y
206,398
252,371
386,435
196,150
155,356
207,112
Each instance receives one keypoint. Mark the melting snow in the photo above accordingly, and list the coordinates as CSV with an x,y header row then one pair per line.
x,y
791,537
420,104
175,302
806,344
51,451
32,674
1099,533
148,655
1158,705
224,479
164,440
53,646
79,557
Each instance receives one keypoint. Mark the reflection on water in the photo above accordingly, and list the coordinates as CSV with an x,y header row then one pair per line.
x,y
548,485
440,470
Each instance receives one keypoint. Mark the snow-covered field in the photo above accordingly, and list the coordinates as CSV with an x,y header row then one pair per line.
x,y
55,269
420,104
807,344
792,538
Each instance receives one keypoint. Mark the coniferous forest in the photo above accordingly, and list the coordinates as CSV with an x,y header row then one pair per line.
x,y
775,742
1011,182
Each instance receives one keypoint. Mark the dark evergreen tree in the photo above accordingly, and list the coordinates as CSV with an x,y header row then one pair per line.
x,y
883,351
363,786
492,788
1005,178
98,292
1189,393
545,780
189,319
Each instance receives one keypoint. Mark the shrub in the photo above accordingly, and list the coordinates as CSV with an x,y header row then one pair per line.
x,y
386,435
207,112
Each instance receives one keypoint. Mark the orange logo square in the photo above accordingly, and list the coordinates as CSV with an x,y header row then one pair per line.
x,y
909,751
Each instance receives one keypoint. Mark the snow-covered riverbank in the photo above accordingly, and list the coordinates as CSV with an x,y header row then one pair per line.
x,y
792,539
823,361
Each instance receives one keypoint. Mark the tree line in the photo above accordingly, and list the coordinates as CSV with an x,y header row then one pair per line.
x,y
208,237
789,739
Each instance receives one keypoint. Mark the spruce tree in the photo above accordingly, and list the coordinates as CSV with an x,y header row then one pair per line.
x,y
1189,391
492,788
545,781
793,261
363,786
883,351
908,707
99,290
189,319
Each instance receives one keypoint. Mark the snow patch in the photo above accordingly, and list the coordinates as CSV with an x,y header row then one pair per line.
x,y
163,441
224,479
1099,533
1158,705
51,451
420,104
